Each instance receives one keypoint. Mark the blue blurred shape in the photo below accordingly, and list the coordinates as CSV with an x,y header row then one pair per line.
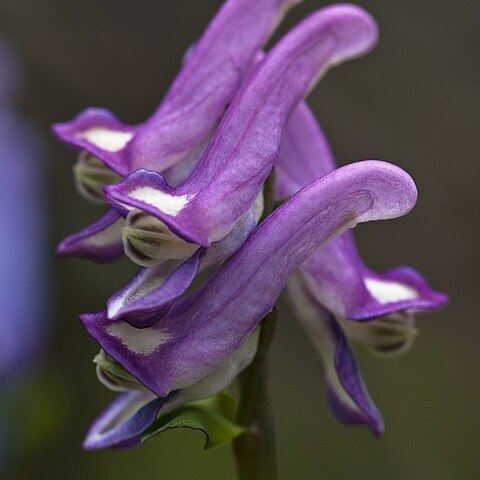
x,y
23,273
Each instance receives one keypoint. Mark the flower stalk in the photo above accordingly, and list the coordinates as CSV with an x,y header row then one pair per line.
x,y
255,449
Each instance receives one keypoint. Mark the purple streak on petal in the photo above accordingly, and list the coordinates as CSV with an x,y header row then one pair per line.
x,y
237,161
352,382
198,97
101,240
201,330
347,395
112,430
149,295
151,292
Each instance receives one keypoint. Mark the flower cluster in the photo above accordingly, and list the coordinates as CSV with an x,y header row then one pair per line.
x,y
187,191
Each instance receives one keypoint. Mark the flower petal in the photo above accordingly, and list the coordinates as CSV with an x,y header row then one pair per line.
x,y
203,329
237,161
101,240
304,154
399,289
338,279
101,134
123,422
335,274
197,99
150,293
347,395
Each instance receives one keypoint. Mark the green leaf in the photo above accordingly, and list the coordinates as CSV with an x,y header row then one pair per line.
x,y
213,416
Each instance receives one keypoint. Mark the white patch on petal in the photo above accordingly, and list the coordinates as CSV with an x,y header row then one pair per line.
x,y
106,139
389,292
169,204
142,341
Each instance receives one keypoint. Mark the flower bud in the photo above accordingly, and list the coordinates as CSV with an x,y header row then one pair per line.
x,y
91,176
111,374
149,242
390,336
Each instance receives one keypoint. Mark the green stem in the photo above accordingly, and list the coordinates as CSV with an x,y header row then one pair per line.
x,y
255,449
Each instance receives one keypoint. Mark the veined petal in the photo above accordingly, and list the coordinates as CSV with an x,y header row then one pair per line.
x,y
123,422
304,155
237,161
347,395
335,274
212,73
150,293
338,279
203,329
197,99
101,240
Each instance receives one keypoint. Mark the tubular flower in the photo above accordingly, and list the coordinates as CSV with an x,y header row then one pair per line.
x,y
334,290
204,329
179,129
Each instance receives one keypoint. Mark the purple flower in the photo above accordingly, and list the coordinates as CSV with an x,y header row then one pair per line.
x,y
203,330
333,287
181,126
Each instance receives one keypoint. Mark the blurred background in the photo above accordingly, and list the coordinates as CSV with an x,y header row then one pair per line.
x,y
414,101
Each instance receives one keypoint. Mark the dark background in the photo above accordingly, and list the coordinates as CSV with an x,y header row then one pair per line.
x,y
414,101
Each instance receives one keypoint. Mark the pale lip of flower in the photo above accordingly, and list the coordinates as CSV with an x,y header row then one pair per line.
x,y
181,125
